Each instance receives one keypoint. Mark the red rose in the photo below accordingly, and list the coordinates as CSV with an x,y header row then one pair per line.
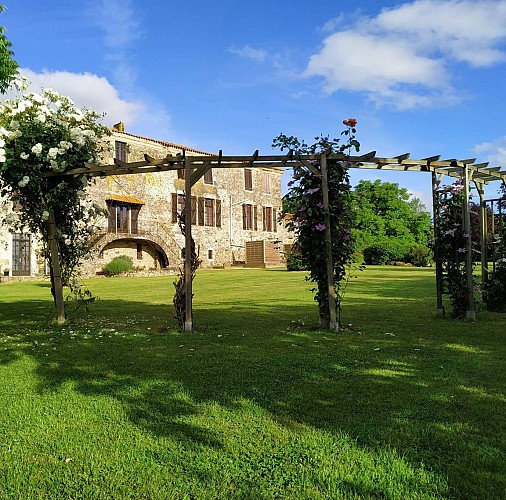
x,y
350,122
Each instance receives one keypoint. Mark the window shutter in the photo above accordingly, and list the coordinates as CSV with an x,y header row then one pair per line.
x,y
218,213
174,207
244,217
255,217
201,209
248,179
264,213
111,225
134,221
274,221
194,210
208,177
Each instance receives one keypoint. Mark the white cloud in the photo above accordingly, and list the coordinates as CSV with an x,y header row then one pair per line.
x,y
494,151
249,52
143,116
403,56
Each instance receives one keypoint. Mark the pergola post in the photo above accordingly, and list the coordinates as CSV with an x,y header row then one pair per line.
x,y
328,246
483,234
437,247
188,322
56,281
471,312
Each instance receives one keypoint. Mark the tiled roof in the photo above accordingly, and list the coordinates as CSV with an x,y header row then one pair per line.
x,y
165,143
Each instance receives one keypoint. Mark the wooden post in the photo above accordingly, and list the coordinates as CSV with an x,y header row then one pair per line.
x,y
471,312
188,323
437,251
328,246
56,269
483,234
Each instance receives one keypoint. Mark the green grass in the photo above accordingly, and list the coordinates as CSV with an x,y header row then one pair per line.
x,y
256,402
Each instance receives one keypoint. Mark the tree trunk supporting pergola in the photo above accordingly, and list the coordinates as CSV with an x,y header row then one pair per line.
x,y
56,280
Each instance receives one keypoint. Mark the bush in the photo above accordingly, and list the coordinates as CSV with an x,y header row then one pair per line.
x,y
385,252
294,263
494,290
419,255
118,265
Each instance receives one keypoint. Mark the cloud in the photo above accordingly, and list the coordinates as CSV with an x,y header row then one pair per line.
x,y
403,56
494,151
249,52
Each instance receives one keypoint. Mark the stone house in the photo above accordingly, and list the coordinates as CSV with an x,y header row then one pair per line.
x,y
234,215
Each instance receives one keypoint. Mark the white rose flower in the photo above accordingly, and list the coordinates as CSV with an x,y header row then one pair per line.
x,y
41,118
2,159
37,149
52,153
45,215
2,143
24,156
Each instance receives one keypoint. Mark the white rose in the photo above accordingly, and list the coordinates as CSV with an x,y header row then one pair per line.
x,y
24,156
37,149
45,215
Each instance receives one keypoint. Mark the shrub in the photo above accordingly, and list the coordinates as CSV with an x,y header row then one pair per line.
x,y
294,263
494,290
385,252
419,255
119,265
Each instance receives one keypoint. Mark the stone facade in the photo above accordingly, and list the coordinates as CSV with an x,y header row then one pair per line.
x,y
229,208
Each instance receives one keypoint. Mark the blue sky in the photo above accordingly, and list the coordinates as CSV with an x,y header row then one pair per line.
x,y
426,77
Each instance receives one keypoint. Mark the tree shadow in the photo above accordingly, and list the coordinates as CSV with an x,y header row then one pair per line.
x,y
382,390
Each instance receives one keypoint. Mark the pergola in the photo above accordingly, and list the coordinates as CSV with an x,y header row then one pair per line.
x,y
195,167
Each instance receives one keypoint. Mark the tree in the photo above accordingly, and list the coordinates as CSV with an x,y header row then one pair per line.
x,y
8,66
46,134
383,210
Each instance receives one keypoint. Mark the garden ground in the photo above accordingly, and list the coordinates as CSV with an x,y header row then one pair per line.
x,y
256,402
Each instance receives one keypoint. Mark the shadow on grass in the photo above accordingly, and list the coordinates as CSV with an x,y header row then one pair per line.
x,y
395,391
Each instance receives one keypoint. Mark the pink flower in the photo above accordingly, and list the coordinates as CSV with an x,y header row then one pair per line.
x,y
320,227
312,190
461,250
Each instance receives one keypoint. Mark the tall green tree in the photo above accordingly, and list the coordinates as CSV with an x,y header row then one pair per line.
x,y
383,210
8,66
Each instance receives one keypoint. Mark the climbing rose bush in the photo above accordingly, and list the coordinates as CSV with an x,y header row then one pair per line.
x,y
304,212
46,132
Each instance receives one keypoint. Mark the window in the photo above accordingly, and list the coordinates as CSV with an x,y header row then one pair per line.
x,y
21,252
139,251
210,254
269,219
120,149
209,212
249,217
248,179
178,204
123,217
267,183
208,177
180,173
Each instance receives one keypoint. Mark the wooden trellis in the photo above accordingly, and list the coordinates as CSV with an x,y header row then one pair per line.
x,y
196,166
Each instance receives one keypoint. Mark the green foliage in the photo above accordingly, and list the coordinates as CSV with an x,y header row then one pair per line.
x,y
294,262
386,252
118,265
306,214
494,289
419,256
384,210
8,66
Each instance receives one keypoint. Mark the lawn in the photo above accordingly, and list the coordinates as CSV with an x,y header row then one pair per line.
x,y
256,402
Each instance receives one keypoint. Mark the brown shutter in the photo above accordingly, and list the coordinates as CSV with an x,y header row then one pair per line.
x,y
194,210
244,226
201,210
174,207
218,213
255,218
111,226
134,221
274,221
264,213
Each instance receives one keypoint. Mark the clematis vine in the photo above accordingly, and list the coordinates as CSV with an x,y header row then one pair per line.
x,y
304,210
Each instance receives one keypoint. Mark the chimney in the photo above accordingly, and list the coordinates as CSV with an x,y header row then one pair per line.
x,y
119,127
